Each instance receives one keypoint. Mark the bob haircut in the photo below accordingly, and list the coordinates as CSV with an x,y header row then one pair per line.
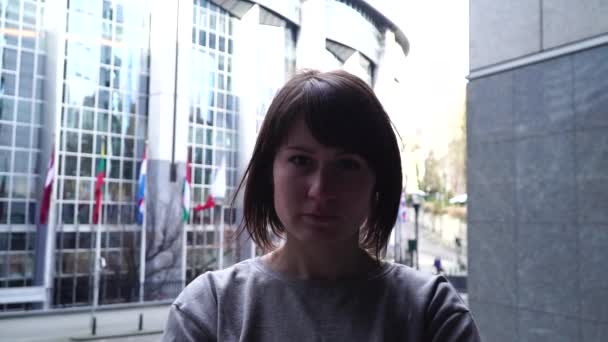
x,y
341,111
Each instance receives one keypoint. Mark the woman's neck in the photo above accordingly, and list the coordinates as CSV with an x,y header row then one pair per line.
x,y
328,262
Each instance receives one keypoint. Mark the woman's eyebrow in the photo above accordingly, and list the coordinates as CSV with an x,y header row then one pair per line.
x,y
299,148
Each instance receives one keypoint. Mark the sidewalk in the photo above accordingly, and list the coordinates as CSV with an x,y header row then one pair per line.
x,y
72,326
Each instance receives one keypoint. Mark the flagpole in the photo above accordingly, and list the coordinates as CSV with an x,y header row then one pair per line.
x,y
50,231
221,257
97,267
142,257
96,279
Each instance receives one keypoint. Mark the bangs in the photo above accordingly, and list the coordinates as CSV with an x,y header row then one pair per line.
x,y
338,116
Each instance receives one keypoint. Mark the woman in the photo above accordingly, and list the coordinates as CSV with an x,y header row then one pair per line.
x,y
324,180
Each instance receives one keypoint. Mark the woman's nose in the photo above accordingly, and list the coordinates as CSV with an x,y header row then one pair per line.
x,y
322,184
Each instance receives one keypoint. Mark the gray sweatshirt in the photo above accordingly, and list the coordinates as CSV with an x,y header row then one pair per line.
x,y
251,302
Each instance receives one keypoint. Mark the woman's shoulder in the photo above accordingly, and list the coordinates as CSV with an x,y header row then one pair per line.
x,y
211,283
428,290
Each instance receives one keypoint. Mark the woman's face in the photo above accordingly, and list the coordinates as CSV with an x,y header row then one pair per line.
x,y
321,194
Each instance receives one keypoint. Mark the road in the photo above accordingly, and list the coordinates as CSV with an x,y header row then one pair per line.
x,y
62,327
431,246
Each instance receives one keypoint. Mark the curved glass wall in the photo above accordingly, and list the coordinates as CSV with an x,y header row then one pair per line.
x,y
105,96
22,62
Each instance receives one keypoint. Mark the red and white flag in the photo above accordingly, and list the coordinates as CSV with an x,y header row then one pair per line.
x,y
48,190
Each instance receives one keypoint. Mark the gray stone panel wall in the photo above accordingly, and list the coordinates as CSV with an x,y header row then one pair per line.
x,y
538,200
567,21
518,32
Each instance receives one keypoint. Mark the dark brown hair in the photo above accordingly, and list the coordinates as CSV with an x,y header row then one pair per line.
x,y
341,111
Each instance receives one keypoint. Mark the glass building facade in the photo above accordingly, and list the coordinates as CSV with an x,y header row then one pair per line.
x,y
104,106
94,60
22,62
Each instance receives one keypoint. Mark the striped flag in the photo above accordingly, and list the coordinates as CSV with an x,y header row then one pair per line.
x,y
101,174
141,190
186,195
48,189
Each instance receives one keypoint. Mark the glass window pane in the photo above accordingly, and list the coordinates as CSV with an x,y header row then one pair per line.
x,y
87,143
5,182
71,142
29,13
6,135
39,89
34,160
142,105
68,240
9,59
114,168
84,262
209,134
7,106
106,55
17,241
116,124
27,63
69,190
7,83
211,40
104,100
85,190
127,170
3,212
88,120
86,166
22,136
32,208
4,242
72,118
17,213
129,148
67,214
38,113
222,44
102,122
20,187
116,147
70,165
84,240
83,213
40,71
202,38
21,162
208,156
67,262
26,83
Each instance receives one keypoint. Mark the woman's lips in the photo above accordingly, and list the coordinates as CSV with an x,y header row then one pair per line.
x,y
320,217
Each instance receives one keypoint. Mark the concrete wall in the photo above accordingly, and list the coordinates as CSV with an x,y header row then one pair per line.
x,y
537,180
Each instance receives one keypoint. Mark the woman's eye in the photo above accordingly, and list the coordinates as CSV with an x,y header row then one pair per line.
x,y
299,160
349,164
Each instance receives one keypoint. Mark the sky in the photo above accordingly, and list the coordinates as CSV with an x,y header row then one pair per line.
x,y
434,75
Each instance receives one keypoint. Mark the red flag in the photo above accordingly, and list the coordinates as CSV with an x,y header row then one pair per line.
x,y
101,174
207,205
48,189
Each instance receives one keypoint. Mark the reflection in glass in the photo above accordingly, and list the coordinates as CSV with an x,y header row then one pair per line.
x,y
21,161
70,165
17,212
69,190
22,136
